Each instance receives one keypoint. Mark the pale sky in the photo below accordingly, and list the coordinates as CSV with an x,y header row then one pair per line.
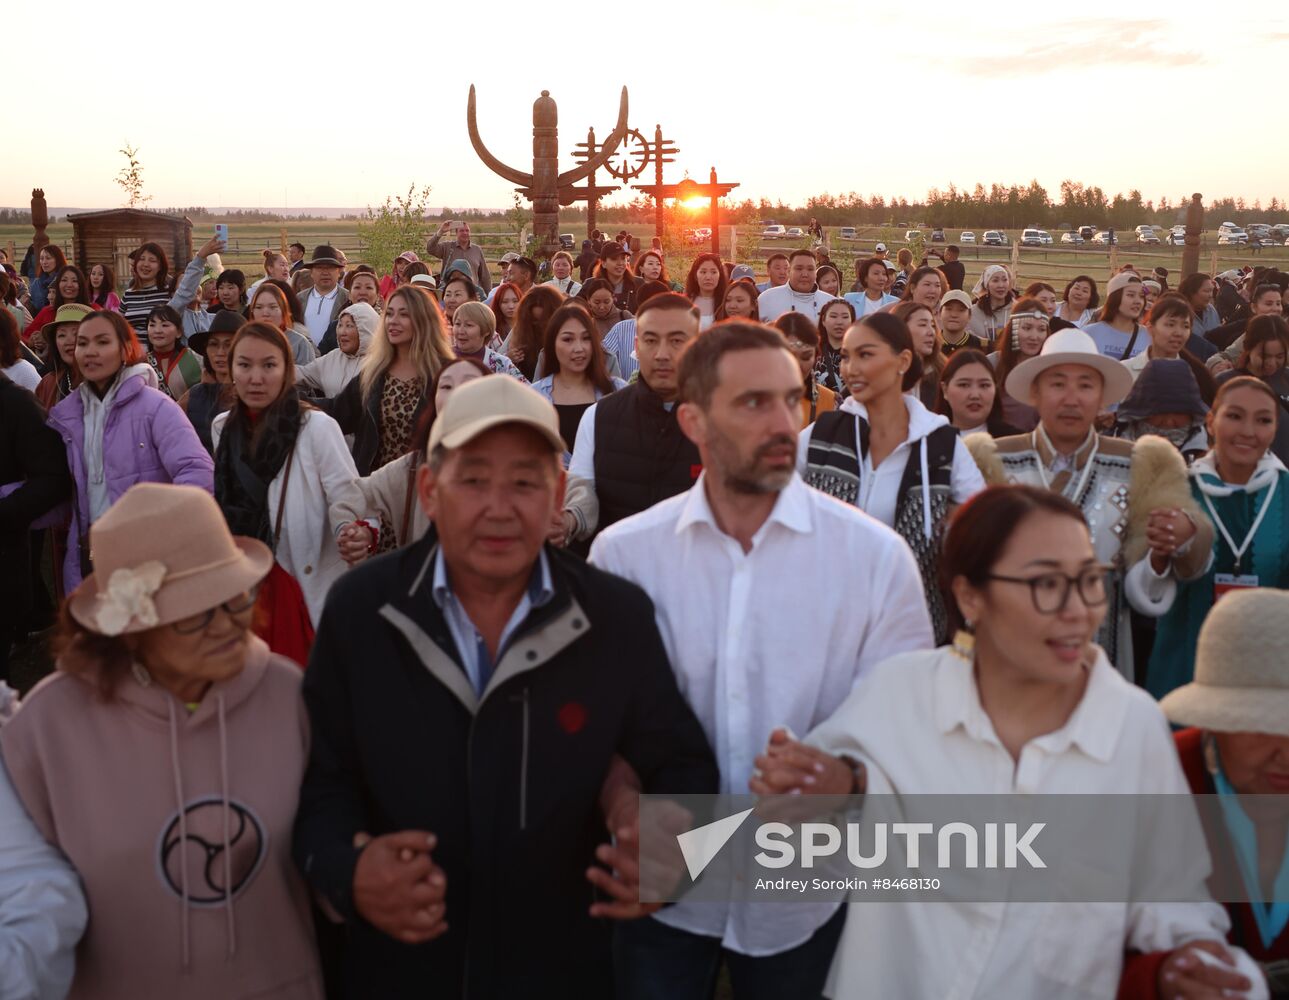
x,y
334,104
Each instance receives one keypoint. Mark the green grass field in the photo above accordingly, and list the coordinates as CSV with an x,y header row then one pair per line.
x,y
1056,264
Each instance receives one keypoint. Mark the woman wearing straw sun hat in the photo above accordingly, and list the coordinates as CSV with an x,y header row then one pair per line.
x,y
164,758
1237,744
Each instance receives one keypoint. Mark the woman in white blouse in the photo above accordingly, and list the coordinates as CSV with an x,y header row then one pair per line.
x,y
1023,703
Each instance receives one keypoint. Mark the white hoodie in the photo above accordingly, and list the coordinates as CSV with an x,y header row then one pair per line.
x,y
333,371
879,489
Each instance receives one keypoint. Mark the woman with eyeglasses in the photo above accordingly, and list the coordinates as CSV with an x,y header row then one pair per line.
x,y
164,758
1243,488
1022,703
802,338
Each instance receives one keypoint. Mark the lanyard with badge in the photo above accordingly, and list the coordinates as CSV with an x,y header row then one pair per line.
x,y
1224,583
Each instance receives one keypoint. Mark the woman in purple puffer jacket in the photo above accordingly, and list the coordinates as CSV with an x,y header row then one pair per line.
x,y
119,431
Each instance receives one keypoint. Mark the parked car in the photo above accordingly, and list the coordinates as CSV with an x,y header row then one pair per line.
x,y
1105,238
1148,238
993,238
1176,239
911,235
1087,232
967,237
1233,237
1072,237
937,235
796,232
1046,237
1142,230
774,233
849,233
1280,231
567,241
1031,238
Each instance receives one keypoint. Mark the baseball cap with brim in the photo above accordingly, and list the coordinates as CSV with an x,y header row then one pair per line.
x,y
890,265
1071,347
956,295
224,321
424,279
612,249
742,271
509,257
880,248
493,401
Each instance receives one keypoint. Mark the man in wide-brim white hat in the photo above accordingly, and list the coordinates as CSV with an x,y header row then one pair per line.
x,y
1134,495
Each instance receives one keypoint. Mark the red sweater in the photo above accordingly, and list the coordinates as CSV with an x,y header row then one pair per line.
x,y
1140,979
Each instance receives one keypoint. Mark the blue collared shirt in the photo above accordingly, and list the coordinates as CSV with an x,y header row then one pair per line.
x,y
470,644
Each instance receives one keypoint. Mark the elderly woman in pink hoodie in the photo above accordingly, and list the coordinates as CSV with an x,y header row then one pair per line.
x,y
164,758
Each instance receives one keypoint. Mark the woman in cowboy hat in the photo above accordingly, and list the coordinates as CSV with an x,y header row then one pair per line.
x,y
212,396
1244,490
164,759
1124,489
1236,743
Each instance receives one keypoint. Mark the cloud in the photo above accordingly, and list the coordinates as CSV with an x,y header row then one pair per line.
x,y
1079,45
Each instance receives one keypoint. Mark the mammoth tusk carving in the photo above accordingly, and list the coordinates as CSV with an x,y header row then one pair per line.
x,y
494,164
608,149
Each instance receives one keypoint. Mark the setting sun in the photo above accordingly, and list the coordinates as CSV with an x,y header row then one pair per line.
x,y
696,203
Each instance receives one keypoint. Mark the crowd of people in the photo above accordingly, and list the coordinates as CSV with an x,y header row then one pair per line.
x,y
378,600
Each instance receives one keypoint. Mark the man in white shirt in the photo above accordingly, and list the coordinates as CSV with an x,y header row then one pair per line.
x,y
800,294
322,303
721,562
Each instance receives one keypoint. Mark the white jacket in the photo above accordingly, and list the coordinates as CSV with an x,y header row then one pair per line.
x,y
42,908
330,373
321,498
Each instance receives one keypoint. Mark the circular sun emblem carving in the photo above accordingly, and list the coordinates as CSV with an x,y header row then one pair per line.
x,y
209,875
630,158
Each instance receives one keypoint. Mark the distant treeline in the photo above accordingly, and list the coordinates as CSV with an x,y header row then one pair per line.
x,y
241,215
1012,207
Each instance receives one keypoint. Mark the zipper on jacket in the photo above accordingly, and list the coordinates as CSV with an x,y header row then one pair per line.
x,y
523,767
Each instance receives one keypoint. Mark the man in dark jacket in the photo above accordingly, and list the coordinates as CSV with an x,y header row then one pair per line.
x,y
32,455
468,697
629,447
587,260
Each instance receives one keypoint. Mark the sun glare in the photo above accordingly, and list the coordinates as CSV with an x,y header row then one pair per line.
x,y
696,203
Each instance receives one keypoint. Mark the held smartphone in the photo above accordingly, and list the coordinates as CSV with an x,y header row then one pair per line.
x,y
221,231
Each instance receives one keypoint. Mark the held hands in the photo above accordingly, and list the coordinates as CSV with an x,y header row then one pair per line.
x,y
623,860
789,767
398,888
355,542
1184,976
560,529
1167,530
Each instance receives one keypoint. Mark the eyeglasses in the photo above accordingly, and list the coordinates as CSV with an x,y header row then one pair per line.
x,y
1050,592
233,607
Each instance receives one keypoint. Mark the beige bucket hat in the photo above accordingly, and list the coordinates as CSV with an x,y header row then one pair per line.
x,y
163,553
1241,668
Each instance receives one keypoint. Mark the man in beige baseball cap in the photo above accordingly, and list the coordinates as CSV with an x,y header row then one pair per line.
x,y
472,697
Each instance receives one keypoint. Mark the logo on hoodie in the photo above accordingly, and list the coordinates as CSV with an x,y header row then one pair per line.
x,y
219,863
